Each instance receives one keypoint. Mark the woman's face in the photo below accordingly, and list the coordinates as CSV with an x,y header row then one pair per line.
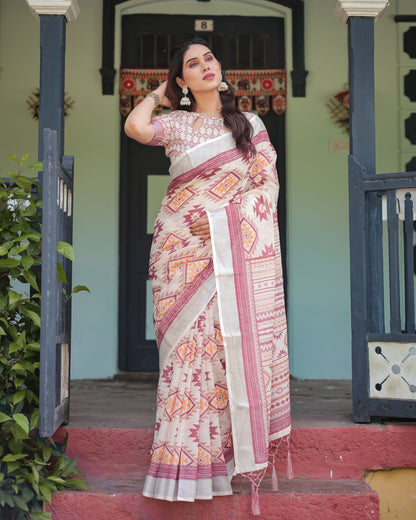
x,y
200,70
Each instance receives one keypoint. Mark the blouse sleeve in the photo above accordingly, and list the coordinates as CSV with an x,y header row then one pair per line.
x,y
163,130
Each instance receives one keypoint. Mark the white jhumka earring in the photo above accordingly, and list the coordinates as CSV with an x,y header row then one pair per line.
x,y
185,100
222,87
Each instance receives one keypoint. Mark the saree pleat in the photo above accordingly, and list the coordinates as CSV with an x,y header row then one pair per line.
x,y
219,314
193,405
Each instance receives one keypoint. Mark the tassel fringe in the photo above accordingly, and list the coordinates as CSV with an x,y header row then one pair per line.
x,y
274,447
255,478
275,485
255,501
289,461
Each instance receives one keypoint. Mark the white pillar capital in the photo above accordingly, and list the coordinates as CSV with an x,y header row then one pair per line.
x,y
67,8
367,8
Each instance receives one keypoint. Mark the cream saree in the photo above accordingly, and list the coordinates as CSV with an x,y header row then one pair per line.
x,y
219,314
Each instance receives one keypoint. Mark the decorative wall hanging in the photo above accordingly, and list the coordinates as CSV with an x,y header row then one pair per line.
x,y
339,106
33,103
260,90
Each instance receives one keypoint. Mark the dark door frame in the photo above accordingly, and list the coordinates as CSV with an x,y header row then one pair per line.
x,y
298,74
133,266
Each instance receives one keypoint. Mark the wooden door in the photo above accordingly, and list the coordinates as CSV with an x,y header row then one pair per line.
x,y
147,41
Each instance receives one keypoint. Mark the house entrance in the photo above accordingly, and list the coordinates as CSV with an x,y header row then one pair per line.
x,y
147,40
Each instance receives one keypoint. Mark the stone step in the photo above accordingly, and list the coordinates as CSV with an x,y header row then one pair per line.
x,y
317,453
306,499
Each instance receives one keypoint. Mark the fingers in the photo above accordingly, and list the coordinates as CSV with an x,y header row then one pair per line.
x,y
161,89
200,228
161,92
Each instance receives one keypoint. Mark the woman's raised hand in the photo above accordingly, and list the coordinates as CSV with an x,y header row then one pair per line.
x,y
161,92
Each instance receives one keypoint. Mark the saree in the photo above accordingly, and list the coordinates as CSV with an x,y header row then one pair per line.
x,y
220,321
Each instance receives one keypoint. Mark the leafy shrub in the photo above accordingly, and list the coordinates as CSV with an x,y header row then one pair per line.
x,y
31,468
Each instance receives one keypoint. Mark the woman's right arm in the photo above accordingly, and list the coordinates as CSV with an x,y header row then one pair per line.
x,y
138,124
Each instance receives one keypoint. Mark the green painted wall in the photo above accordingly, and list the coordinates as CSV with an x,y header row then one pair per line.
x,y
318,254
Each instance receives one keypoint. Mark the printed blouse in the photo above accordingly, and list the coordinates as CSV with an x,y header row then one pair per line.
x,y
178,131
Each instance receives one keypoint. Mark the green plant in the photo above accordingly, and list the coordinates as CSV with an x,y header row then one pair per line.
x,y
31,468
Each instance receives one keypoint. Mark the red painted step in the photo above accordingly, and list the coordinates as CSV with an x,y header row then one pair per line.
x,y
328,453
328,465
297,499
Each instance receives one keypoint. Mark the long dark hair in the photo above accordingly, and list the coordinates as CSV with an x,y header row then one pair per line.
x,y
234,119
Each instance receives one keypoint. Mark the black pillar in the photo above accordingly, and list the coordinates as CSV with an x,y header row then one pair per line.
x,y
366,253
52,79
361,81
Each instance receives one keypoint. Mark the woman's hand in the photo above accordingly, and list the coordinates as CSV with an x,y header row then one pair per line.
x,y
161,92
200,228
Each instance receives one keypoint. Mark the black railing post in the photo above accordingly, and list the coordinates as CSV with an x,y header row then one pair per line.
x,y
409,284
49,288
358,281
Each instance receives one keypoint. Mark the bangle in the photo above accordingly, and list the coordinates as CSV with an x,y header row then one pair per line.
x,y
155,98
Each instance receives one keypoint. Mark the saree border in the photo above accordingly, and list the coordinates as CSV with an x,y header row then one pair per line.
x,y
243,444
249,345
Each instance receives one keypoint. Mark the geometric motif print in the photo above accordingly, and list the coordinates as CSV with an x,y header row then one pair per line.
x,y
249,235
180,199
220,189
264,295
259,164
195,213
186,352
218,402
189,269
218,336
204,456
163,305
171,241
176,265
175,405
221,397
210,349
267,379
262,207
163,455
194,268
264,286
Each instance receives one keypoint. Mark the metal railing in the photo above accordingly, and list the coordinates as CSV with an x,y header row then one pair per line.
x,y
55,338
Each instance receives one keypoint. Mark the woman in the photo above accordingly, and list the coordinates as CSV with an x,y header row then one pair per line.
x,y
215,268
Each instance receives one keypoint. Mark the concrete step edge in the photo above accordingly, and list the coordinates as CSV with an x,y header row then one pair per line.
x,y
242,486
316,452
310,499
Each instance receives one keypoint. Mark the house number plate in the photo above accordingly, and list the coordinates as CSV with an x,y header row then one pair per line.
x,y
204,25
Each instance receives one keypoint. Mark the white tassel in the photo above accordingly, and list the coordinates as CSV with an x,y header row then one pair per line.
x,y
289,462
275,485
255,502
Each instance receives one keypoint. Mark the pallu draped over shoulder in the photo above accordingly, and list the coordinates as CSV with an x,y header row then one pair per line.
x,y
219,315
